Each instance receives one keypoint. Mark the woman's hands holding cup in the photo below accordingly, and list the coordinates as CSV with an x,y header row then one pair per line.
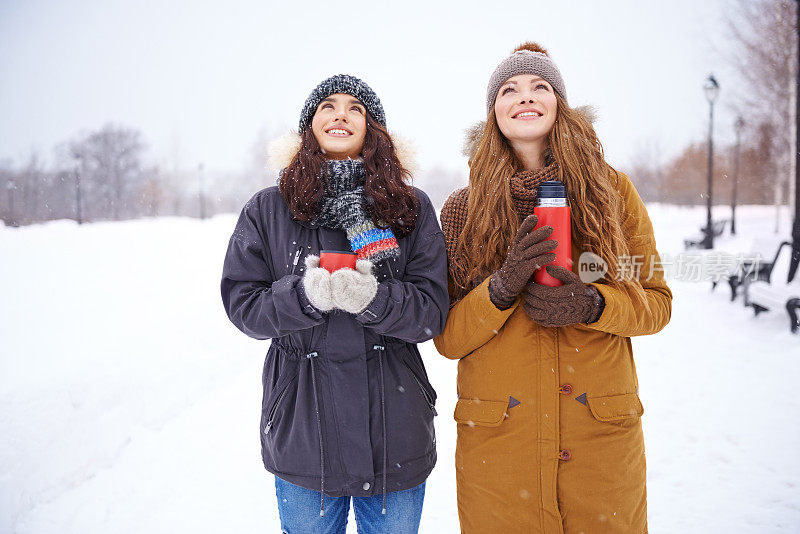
x,y
571,303
351,290
530,250
316,285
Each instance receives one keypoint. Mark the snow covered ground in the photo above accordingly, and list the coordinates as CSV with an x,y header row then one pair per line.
x,y
129,403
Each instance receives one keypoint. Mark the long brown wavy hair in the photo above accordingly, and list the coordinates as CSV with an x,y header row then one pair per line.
x,y
492,220
391,203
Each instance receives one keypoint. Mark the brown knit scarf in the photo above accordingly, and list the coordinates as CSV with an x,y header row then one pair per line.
x,y
454,217
524,185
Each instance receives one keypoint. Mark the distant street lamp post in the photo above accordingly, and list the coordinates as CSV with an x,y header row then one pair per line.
x,y
78,212
200,192
711,88
738,126
10,187
796,226
79,168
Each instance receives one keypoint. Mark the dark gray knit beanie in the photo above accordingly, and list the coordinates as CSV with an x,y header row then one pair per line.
x,y
349,85
524,62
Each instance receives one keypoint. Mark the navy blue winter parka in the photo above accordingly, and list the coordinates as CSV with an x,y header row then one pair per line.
x,y
347,405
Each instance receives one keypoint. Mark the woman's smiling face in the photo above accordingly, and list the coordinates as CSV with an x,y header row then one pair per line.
x,y
339,126
525,108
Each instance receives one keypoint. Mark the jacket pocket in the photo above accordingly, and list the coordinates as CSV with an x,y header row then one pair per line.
x,y
424,386
478,412
292,424
274,409
408,410
618,409
429,397
277,396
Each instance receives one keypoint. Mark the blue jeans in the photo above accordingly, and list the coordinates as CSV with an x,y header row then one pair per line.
x,y
299,510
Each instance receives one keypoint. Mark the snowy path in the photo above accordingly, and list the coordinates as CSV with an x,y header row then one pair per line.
x,y
128,403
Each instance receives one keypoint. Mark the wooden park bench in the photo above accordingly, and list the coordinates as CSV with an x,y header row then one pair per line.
x,y
777,291
755,266
717,228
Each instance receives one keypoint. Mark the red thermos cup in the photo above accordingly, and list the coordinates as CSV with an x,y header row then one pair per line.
x,y
333,260
552,209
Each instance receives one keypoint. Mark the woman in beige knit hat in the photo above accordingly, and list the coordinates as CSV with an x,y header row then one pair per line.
x,y
549,430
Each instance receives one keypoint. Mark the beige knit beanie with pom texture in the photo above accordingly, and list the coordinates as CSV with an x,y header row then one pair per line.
x,y
527,58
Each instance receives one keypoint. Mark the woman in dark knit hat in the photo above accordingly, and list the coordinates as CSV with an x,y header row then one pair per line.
x,y
549,431
347,409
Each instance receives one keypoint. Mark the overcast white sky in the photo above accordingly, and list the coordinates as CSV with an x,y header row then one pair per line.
x,y
201,78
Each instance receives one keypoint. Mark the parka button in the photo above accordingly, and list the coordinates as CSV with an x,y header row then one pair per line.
x,y
566,389
565,455
365,486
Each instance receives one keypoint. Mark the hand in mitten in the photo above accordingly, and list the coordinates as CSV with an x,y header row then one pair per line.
x,y
353,290
529,251
574,302
316,285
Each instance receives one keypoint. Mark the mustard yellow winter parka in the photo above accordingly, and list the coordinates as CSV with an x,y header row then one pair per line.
x,y
549,430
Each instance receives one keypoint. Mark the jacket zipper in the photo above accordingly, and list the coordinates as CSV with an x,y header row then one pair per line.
x,y
296,259
391,274
422,389
424,393
274,408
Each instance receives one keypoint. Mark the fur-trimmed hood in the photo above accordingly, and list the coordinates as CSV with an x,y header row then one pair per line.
x,y
281,150
472,135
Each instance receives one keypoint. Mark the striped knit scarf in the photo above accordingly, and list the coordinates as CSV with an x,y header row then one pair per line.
x,y
342,207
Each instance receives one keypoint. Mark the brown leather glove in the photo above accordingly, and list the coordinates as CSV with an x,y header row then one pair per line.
x,y
528,252
574,302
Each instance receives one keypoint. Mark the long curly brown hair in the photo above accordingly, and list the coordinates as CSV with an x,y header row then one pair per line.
x,y
592,190
390,201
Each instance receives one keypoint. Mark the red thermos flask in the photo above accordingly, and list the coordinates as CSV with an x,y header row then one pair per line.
x,y
552,209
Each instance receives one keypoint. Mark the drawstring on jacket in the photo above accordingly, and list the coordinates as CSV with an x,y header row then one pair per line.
x,y
311,356
381,350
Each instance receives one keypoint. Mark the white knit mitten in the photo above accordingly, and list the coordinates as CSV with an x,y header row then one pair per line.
x,y
353,290
317,285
